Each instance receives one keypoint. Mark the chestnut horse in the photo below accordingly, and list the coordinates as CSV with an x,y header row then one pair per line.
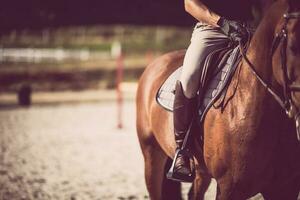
x,y
250,146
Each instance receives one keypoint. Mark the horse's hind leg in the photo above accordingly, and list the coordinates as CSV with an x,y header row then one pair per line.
x,y
158,186
199,187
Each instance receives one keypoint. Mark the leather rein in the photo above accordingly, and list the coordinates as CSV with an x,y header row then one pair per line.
x,y
288,87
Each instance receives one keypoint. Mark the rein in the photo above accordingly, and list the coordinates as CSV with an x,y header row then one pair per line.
x,y
286,101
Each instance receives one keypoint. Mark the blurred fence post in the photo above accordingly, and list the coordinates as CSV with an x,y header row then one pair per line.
x,y
116,53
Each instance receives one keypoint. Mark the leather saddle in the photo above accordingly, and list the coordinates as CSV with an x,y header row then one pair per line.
x,y
218,70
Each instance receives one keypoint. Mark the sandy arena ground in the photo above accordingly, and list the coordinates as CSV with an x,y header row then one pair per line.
x,y
71,151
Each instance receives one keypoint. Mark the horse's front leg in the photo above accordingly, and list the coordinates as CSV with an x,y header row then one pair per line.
x,y
156,166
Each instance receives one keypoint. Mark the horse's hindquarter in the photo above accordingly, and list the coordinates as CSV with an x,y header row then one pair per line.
x,y
150,115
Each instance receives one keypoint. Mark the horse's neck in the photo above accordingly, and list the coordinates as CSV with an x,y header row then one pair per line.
x,y
260,47
259,50
252,93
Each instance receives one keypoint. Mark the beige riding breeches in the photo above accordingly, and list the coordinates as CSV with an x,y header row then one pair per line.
x,y
205,39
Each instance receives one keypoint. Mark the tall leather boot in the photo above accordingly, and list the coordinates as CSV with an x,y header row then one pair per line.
x,y
184,109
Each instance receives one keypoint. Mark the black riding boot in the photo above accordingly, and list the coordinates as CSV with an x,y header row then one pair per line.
x,y
183,112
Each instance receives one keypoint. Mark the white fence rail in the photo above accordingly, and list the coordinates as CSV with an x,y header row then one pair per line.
x,y
33,55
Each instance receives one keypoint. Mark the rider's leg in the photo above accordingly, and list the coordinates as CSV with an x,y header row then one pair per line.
x,y
205,39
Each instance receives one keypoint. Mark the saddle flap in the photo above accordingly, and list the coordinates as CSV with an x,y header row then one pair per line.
x,y
213,63
215,79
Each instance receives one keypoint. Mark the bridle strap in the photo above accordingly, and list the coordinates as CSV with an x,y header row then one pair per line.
x,y
286,80
292,15
275,43
294,87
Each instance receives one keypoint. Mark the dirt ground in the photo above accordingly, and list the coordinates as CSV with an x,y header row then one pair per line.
x,y
71,151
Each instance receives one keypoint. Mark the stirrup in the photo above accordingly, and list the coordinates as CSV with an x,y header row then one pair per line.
x,y
175,176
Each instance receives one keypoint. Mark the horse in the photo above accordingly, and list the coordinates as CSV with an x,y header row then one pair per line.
x,y
250,145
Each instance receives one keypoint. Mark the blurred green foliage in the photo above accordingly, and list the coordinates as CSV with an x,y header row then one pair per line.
x,y
134,39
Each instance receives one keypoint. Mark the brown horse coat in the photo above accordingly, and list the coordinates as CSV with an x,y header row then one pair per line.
x,y
250,145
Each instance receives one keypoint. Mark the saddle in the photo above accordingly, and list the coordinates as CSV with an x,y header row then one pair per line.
x,y
218,70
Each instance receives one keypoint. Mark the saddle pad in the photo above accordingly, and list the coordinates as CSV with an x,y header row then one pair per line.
x,y
166,94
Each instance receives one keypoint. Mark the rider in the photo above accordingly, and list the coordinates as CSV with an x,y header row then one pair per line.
x,y
218,22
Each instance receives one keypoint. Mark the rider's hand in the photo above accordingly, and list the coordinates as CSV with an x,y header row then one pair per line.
x,y
233,29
